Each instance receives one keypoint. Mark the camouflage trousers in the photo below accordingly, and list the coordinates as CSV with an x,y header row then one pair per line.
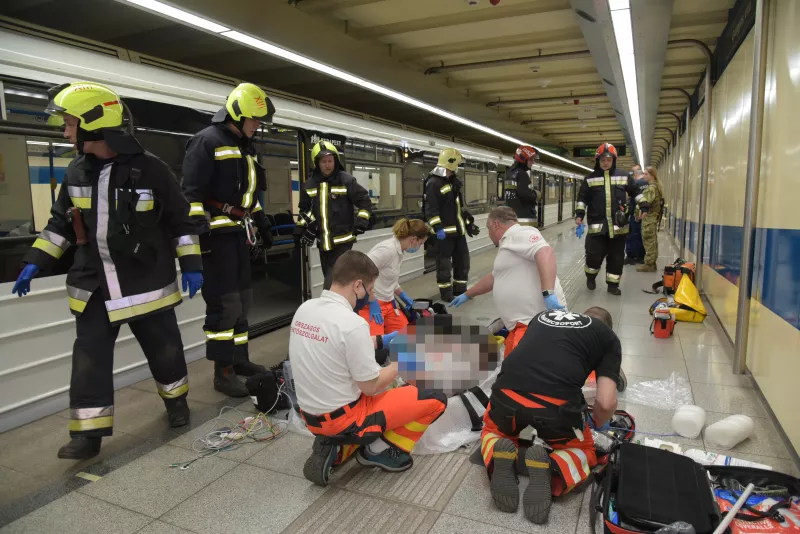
x,y
650,238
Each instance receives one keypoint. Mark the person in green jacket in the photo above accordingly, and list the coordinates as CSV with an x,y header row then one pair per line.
x,y
650,204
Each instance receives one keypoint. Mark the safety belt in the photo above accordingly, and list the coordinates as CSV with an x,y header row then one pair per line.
x,y
480,396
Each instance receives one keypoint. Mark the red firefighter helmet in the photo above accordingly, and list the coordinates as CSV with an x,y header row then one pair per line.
x,y
606,149
525,153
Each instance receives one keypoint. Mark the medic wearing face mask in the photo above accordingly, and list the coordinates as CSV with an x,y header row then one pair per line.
x,y
383,314
340,387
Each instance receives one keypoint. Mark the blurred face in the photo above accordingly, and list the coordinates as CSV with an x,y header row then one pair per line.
x,y
71,128
327,164
647,176
530,163
250,127
606,162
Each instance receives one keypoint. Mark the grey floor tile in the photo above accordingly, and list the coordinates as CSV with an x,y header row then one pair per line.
x,y
637,318
80,514
159,527
246,499
142,413
764,441
584,519
721,374
707,353
15,485
653,367
243,451
473,501
654,423
149,486
629,331
728,400
452,524
652,347
287,455
780,465
700,337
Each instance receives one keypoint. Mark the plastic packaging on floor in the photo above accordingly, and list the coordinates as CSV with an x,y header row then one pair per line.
x,y
677,528
712,458
730,431
660,444
688,421
663,394
297,425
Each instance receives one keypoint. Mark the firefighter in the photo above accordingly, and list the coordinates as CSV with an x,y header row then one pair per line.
x,y
542,389
604,195
334,208
341,389
222,179
520,194
444,209
124,209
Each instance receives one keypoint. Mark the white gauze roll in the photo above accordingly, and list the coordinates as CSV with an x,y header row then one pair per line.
x,y
730,431
688,420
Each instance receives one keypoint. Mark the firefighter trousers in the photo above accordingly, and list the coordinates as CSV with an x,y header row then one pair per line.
x,y
509,412
393,319
91,392
228,292
327,259
399,416
612,249
452,254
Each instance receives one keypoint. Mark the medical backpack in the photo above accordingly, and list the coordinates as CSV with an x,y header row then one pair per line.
x,y
672,277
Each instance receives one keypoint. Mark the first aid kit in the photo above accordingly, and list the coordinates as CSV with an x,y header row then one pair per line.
x,y
663,322
673,274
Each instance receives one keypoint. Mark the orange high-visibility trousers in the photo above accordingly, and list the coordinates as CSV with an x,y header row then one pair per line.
x,y
514,337
393,319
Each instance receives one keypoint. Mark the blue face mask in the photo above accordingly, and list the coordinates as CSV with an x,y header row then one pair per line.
x,y
412,250
361,301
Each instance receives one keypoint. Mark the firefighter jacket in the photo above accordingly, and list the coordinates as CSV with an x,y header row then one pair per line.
x,y
328,208
640,186
519,193
136,221
444,203
603,201
221,166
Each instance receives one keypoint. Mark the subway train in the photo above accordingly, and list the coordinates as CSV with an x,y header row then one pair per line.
x,y
169,103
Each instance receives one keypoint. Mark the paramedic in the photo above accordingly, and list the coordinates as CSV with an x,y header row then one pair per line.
x,y
542,388
340,386
523,280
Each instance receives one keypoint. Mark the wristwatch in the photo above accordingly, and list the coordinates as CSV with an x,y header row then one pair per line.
x,y
548,292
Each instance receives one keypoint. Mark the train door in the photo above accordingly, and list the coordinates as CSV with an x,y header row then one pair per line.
x,y
567,196
538,182
552,199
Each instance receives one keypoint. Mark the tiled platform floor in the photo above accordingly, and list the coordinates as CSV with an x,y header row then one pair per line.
x,y
260,487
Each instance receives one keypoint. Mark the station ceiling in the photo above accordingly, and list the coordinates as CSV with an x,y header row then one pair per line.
x,y
410,46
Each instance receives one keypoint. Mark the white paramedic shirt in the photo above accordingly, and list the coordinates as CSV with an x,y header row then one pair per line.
x,y
387,257
330,349
517,288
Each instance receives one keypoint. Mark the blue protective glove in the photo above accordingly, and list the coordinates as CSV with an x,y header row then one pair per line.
x,y
23,285
593,425
440,235
375,312
459,300
192,282
387,338
407,361
408,301
551,302
579,230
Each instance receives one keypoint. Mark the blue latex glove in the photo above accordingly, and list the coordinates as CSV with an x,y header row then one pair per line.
x,y
440,235
192,282
408,301
387,338
407,361
593,425
375,312
459,300
579,230
23,285
551,302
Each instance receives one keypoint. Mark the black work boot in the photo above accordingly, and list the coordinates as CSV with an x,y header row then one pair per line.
x,y
614,289
446,294
177,412
590,282
80,448
458,289
227,383
248,368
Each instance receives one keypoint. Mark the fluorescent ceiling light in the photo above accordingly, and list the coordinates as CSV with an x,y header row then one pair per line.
x,y
623,33
45,143
292,163
269,48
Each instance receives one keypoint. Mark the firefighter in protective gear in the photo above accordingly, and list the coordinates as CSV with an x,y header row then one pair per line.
x,y
222,180
334,208
444,210
520,194
542,389
124,209
602,200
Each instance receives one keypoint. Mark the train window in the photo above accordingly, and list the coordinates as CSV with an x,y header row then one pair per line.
x,y
476,188
552,182
384,183
568,189
388,154
357,149
491,187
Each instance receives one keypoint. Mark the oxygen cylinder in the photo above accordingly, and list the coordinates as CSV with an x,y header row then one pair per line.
x,y
688,421
730,431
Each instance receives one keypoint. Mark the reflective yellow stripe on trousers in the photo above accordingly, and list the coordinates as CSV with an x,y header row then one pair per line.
x,y
82,419
174,390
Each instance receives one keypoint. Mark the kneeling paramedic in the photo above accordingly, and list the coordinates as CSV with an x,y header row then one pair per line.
x,y
540,385
444,210
523,280
382,314
340,387
124,209
334,208
222,179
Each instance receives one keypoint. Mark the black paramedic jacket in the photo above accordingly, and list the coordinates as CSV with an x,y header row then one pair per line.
x,y
603,193
444,203
328,207
136,221
221,166
519,195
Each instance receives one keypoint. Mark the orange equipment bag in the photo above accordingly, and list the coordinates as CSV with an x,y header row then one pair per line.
x,y
672,277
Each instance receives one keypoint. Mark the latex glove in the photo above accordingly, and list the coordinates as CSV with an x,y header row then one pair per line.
x,y
265,231
579,230
23,284
459,300
407,361
408,301
375,312
551,302
440,235
593,425
387,338
192,282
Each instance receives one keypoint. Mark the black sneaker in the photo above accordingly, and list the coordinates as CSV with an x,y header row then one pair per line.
x,y
537,497
248,368
227,383
319,466
591,283
614,290
392,459
622,381
505,492
177,412
80,448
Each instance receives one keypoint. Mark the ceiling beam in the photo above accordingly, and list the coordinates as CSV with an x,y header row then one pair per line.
x,y
503,103
318,7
